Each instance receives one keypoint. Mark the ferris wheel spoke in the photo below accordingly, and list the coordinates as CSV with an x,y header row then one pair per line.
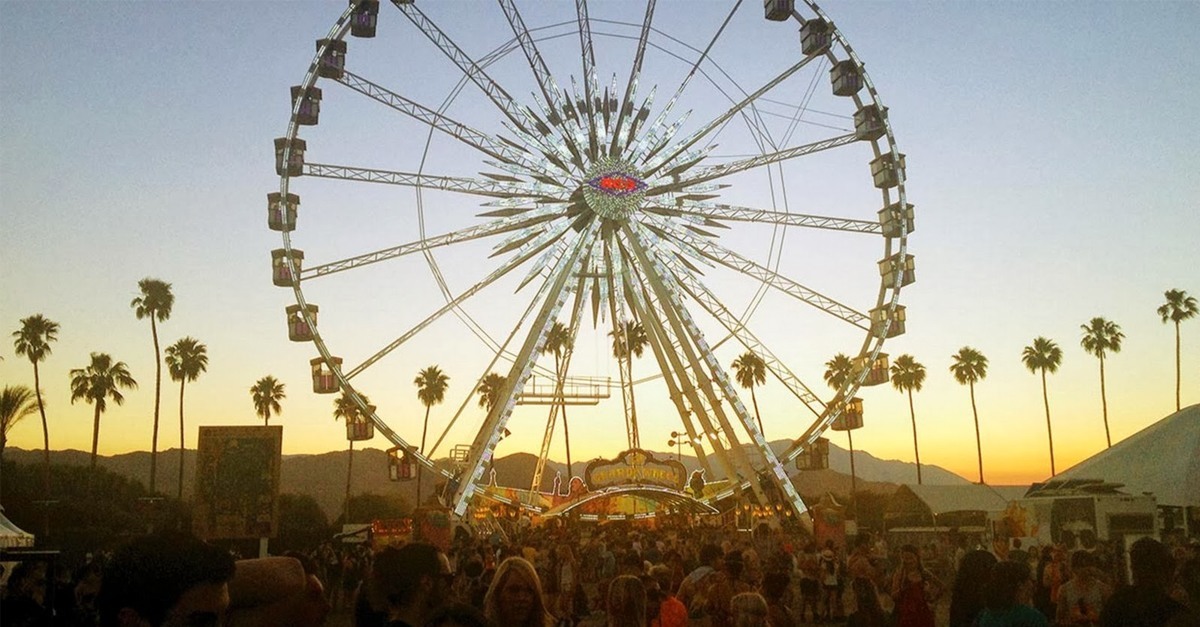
x,y
654,139
710,211
494,227
501,352
680,150
486,439
725,169
464,185
476,139
525,120
715,308
725,257
518,259
635,72
553,108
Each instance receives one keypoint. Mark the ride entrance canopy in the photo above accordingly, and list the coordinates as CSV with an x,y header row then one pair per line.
x,y
479,195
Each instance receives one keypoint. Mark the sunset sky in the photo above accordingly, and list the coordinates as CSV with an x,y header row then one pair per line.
x,y
1051,152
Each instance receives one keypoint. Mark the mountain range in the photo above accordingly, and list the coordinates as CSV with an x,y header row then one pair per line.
x,y
323,475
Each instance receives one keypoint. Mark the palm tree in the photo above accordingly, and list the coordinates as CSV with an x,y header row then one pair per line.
x,y
99,381
489,390
750,371
344,408
908,375
970,367
431,385
559,341
186,359
1102,335
1044,356
266,394
33,341
837,372
629,341
155,303
16,402
1179,307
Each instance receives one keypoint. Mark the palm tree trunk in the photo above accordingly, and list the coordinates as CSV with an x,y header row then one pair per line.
x,y
916,449
637,441
1176,365
349,474
757,416
157,394
179,492
95,445
1104,403
421,467
853,474
1049,431
978,445
566,430
37,388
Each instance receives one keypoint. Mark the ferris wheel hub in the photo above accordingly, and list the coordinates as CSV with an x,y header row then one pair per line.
x,y
612,189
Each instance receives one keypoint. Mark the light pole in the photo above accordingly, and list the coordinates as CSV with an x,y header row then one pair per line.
x,y
677,441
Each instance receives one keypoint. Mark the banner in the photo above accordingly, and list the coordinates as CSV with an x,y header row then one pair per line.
x,y
237,482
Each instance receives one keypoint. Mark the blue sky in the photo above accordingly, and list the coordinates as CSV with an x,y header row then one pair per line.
x,y
1051,157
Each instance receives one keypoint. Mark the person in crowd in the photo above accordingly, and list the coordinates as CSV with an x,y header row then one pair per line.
x,y
409,583
859,565
458,615
515,597
276,592
695,585
914,590
165,579
1008,593
671,611
24,602
1082,596
774,590
626,602
1017,553
831,585
1147,603
725,585
1054,576
867,611
967,594
809,567
749,609
566,576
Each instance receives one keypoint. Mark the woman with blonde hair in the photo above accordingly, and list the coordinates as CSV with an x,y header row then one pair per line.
x,y
515,597
626,606
748,609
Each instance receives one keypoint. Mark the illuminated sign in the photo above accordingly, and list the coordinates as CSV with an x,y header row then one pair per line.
x,y
635,467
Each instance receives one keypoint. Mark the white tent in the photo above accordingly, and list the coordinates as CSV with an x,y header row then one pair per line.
x,y
1163,459
12,536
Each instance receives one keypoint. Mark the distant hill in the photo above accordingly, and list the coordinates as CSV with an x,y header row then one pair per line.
x,y
323,476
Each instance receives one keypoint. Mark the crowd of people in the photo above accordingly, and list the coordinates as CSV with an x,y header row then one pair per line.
x,y
619,576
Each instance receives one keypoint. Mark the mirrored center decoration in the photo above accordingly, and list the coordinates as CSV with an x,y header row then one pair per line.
x,y
612,191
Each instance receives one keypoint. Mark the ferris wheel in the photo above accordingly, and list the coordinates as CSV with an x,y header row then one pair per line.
x,y
541,196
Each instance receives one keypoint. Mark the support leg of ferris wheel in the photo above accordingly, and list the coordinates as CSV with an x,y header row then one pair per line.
x,y
672,365
582,290
678,399
484,445
777,473
613,270
735,462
